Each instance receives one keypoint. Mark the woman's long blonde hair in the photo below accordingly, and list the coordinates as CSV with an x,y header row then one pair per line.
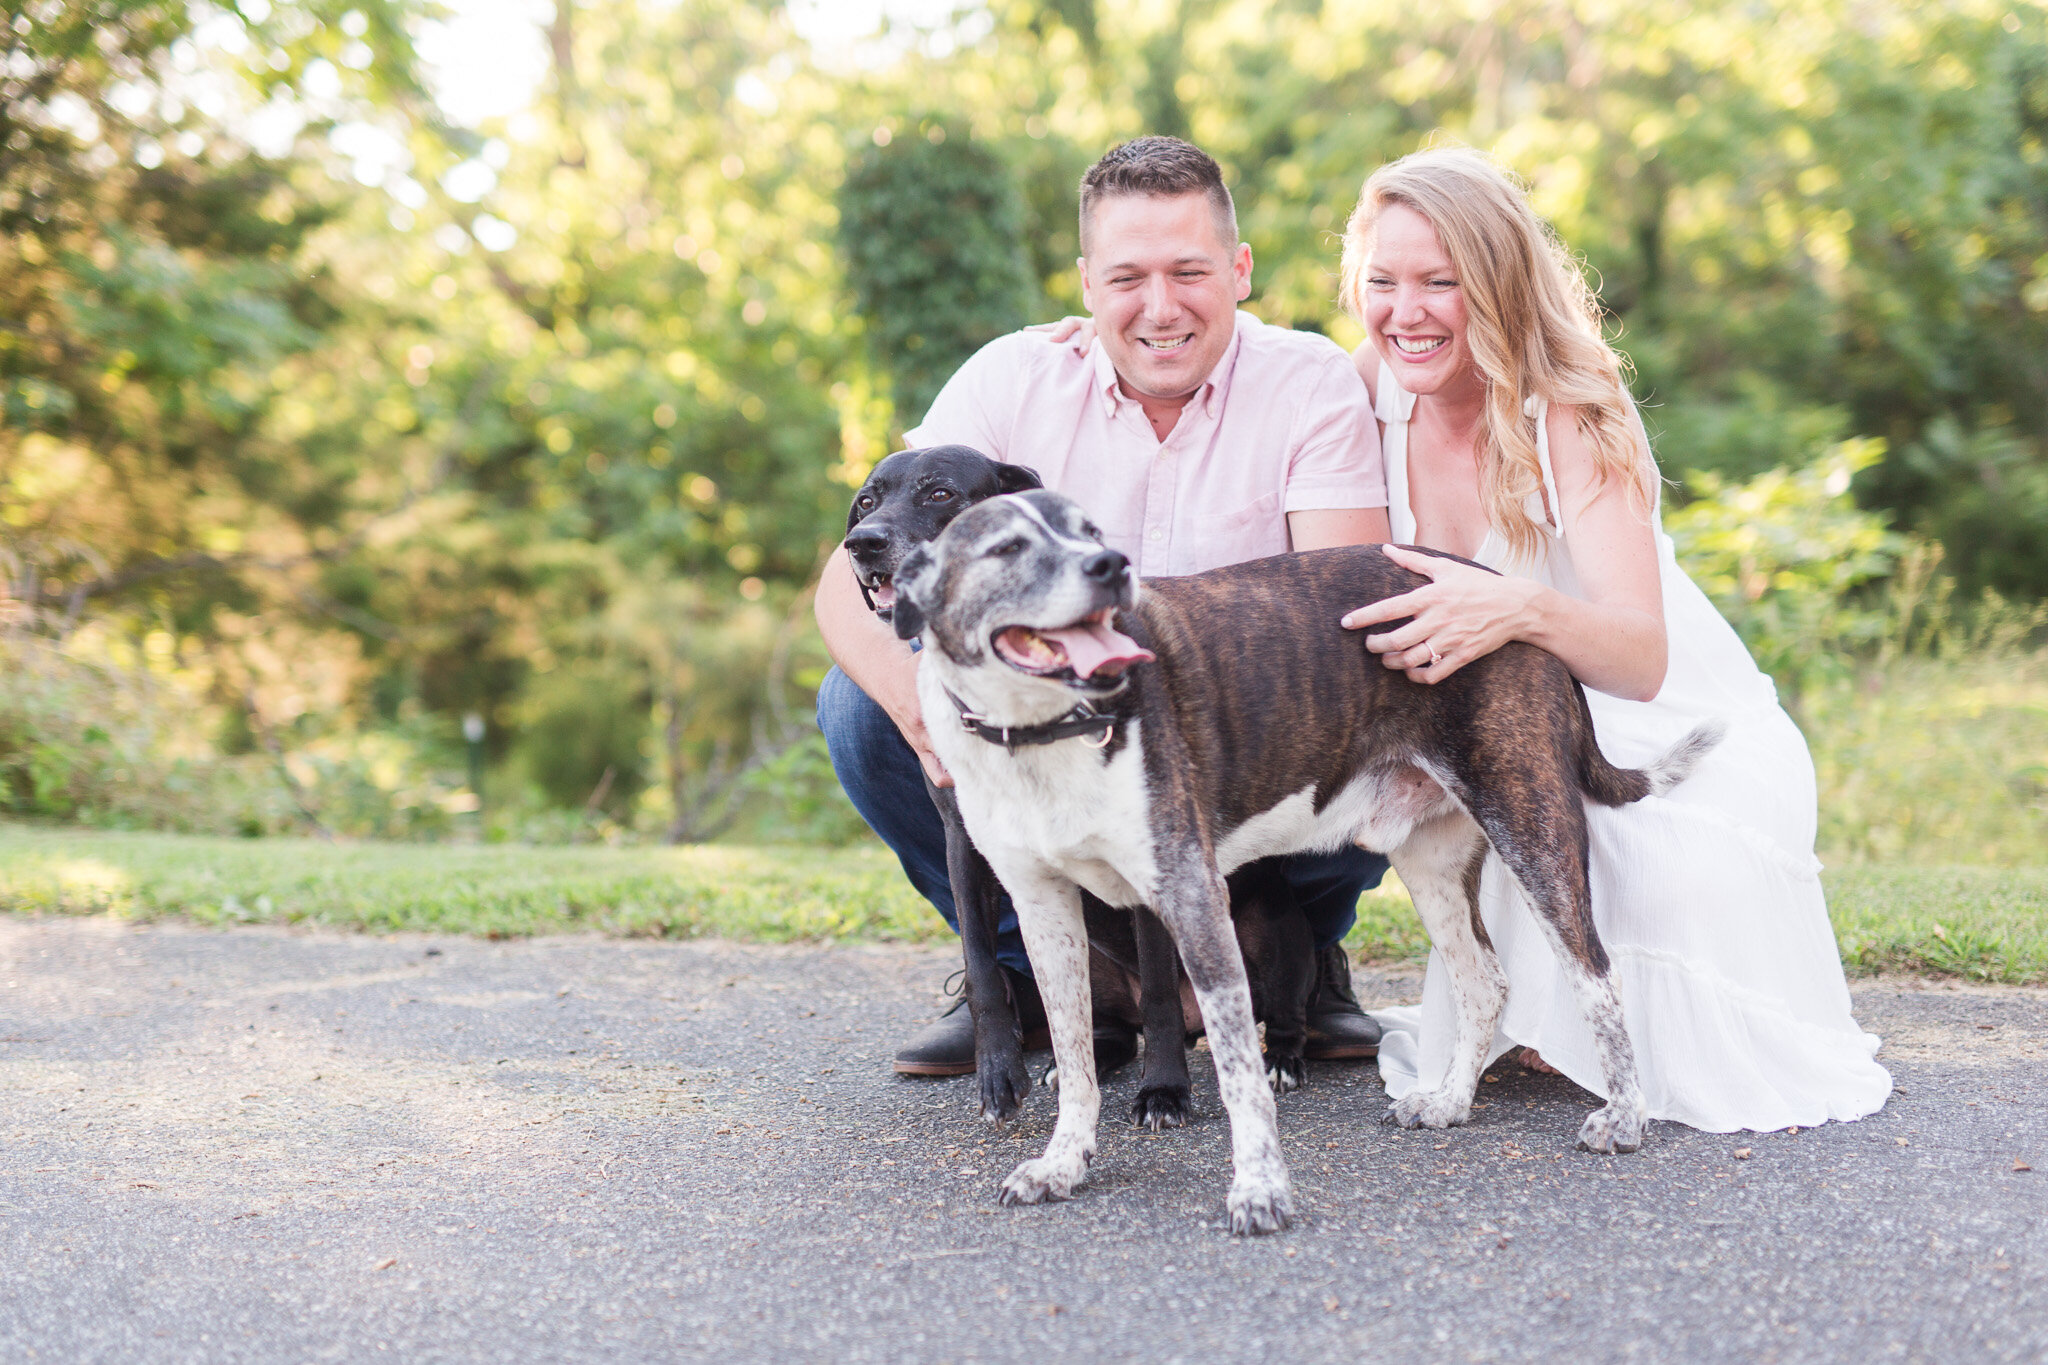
x,y
1532,322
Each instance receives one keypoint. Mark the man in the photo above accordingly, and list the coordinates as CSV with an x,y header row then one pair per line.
x,y
1196,436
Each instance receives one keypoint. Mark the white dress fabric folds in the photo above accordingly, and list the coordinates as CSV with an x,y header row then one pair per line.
x,y
1708,898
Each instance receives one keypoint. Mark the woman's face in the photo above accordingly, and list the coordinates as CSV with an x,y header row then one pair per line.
x,y
1415,305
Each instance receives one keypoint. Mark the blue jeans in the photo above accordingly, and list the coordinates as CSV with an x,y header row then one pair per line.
x,y
883,779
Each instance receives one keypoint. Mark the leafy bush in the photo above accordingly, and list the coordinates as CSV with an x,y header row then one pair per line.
x,y
583,732
1927,716
1787,557
101,746
795,797
91,742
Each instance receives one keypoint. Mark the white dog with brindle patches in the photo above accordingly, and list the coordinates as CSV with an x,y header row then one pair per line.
x,y
1143,750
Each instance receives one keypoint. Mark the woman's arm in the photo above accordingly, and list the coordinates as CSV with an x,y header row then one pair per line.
x,y
1612,640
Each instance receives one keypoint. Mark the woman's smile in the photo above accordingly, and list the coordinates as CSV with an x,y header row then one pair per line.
x,y
1418,346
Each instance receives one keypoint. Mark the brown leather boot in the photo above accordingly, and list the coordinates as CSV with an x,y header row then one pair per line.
x,y
1338,1029
945,1047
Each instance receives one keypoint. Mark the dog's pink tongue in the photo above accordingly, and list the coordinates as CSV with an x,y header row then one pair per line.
x,y
1093,646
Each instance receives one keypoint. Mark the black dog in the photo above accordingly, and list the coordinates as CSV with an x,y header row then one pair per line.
x,y
909,498
1138,983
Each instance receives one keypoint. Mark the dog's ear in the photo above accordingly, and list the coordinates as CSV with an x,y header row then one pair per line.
x,y
907,616
1015,478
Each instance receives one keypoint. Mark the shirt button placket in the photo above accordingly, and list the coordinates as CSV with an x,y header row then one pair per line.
x,y
1159,505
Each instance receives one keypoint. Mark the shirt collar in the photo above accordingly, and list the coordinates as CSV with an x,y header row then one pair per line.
x,y
1215,389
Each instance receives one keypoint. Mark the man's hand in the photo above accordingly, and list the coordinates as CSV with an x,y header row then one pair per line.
x,y
896,693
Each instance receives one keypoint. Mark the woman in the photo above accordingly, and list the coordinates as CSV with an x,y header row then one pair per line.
x,y
1510,439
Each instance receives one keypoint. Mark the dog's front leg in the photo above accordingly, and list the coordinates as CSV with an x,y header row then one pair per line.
x,y
1196,905
1056,936
998,1040
1164,1095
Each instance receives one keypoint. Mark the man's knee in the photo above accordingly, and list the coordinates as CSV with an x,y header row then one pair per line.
x,y
1327,887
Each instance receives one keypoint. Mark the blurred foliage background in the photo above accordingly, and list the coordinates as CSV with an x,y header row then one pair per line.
x,y
328,419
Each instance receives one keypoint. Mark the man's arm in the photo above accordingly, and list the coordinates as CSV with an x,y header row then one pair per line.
x,y
1336,480
1320,528
881,665
975,408
978,405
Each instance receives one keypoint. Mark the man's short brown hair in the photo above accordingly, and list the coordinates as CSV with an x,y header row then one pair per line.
x,y
1164,167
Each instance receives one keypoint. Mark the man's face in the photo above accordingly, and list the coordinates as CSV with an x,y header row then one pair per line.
x,y
1163,287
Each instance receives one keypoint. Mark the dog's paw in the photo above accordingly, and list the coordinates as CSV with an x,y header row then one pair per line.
x,y
1428,1109
1044,1180
1285,1073
1258,1207
1163,1106
1610,1130
1004,1090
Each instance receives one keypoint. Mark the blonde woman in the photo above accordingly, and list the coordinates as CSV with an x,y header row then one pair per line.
x,y
1510,439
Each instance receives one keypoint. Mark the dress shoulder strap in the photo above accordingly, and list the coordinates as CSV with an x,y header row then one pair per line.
x,y
1546,510
1391,402
1393,405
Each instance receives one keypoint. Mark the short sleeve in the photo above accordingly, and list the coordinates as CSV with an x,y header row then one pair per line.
x,y
1334,462
978,405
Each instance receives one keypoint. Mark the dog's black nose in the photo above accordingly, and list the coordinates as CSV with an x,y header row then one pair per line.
x,y
866,540
1105,566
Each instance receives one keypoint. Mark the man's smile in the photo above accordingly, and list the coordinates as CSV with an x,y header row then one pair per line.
x,y
1166,344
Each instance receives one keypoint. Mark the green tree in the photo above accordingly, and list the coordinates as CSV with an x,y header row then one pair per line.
x,y
931,227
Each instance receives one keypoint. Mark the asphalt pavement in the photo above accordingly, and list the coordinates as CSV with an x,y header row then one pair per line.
x,y
271,1145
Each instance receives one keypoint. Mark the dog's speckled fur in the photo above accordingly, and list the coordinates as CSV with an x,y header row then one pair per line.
x,y
1262,727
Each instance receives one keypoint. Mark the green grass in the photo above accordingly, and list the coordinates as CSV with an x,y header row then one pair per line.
x,y
1985,923
1988,924
497,890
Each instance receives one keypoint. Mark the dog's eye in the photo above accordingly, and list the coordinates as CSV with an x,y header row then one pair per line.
x,y
865,503
942,495
1008,548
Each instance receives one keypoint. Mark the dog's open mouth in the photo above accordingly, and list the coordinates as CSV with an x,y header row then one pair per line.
x,y
883,591
1089,649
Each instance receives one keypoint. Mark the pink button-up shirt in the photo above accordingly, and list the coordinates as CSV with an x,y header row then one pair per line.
x,y
1282,425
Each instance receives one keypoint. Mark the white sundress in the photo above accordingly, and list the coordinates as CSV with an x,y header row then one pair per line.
x,y
1708,898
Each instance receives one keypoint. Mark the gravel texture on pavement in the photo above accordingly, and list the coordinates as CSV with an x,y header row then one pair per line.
x,y
269,1145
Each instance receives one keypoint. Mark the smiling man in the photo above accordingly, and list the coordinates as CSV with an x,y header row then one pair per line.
x,y
1196,436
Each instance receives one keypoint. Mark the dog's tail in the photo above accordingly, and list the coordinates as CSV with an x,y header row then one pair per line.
x,y
1612,786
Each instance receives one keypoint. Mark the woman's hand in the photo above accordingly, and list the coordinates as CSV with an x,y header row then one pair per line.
x,y
1461,614
1080,332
